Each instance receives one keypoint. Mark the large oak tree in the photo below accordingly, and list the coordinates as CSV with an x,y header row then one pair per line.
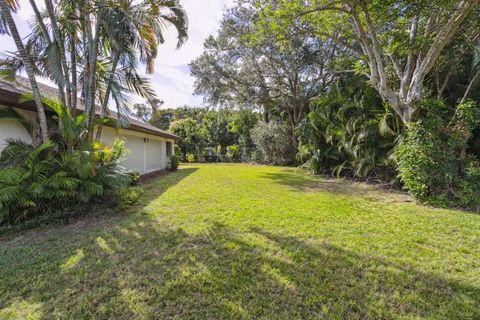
x,y
397,42
239,69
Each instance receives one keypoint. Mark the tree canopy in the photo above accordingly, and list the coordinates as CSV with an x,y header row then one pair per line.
x,y
237,69
396,43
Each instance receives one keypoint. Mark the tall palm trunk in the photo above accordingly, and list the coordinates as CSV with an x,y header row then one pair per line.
x,y
28,68
107,94
73,61
38,15
93,43
59,40
43,28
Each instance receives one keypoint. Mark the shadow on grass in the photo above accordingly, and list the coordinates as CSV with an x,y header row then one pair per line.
x,y
309,183
138,268
156,188
81,215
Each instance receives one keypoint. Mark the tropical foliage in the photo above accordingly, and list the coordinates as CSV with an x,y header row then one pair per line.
x,y
350,130
92,50
209,135
37,180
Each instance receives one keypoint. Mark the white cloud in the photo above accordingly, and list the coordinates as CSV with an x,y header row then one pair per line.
x,y
204,18
175,85
171,79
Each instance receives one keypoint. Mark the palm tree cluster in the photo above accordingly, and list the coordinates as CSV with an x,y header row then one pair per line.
x,y
349,130
58,173
92,50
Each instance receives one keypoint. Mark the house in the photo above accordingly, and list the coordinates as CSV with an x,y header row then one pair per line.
x,y
149,147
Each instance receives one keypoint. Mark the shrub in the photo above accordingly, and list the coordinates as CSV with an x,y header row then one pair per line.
x,y
468,192
233,153
190,158
178,152
432,159
131,196
174,162
209,154
134,177
274,143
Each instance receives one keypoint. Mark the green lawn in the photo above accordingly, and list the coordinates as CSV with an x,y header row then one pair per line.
x,y
249,242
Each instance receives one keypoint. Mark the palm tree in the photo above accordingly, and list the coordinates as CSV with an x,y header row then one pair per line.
x,y
95,47
6,19
139,28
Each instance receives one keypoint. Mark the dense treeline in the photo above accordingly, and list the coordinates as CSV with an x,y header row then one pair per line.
x,y
224,135
210,135
385,90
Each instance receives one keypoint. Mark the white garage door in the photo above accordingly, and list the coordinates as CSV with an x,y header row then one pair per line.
x,y
134,159
154,155
146,154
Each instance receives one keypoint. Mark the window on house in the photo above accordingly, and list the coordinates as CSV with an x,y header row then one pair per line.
x,y
169,149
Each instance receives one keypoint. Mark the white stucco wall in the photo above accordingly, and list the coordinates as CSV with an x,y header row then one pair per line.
x,y
11,129
146,153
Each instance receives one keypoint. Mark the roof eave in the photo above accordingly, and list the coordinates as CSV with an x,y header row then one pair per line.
x,y
11,99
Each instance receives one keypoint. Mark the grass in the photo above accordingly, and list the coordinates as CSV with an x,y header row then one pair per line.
x,y
247,242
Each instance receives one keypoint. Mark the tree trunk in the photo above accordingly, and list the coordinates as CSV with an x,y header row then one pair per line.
x,y
266,116
93,55
293,127
28,68
470,87
405,101
103,111
49,41
73,61
59,41
40,21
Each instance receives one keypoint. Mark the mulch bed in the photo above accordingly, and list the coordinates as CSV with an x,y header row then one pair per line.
x,y
148,177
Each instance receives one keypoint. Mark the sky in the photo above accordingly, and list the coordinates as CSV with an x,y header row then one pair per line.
x,y
171,79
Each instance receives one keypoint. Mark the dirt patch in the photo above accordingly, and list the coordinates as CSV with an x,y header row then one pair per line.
x,y
342,186
372,190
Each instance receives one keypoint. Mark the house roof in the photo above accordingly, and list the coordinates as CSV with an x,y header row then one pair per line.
x,y
10,93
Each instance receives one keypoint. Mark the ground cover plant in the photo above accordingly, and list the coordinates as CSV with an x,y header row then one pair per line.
x,y
248,242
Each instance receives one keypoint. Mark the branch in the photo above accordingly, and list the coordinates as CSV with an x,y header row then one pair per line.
x,y
396,66
443,37
375,77
458,59
375,44
470,86
331,6
409,67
